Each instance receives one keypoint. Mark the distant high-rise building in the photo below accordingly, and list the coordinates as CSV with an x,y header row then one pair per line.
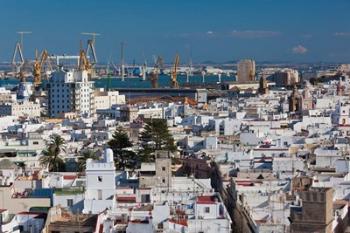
x,y
285,77
246,70
70,92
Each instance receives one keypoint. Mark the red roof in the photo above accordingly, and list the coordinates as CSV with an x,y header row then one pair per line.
x,y
205,200
182,222
126,199
69,177
245,183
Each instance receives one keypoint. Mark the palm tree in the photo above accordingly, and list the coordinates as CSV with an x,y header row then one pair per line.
x,y
50,160
57,143
85,155
51,156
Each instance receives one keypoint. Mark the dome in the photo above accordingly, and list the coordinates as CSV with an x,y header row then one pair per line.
x,y
7,164
108,153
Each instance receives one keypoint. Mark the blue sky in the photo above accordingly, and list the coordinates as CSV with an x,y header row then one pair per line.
x,y
221,30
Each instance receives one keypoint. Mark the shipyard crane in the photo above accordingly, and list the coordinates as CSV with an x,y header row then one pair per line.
x,y
84,63
122,65
37,66
91,50
92,34
18,63
158,64
21,35
173,81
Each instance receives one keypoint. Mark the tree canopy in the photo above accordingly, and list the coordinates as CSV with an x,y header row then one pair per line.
x,y
51,155
83,156
156,136
123,158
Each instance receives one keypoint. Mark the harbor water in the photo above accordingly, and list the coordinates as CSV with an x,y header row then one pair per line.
x,y
136,82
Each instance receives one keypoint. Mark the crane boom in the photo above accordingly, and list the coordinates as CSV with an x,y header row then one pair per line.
x,y
174,83
91,48
18,65
18,50
84,63
37,67
156,70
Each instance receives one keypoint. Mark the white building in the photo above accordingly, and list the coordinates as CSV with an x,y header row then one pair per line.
x,y
71,92
246,70
341,114
100,184
106,99
18,109
6,96
24,91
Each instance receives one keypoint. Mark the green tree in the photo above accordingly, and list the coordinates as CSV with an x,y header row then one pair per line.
x,y
156,136
50,160
83,156
123,158
51,155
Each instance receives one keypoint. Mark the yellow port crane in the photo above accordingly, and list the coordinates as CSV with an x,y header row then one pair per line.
x,y
173,81
84,63
37,66
156,71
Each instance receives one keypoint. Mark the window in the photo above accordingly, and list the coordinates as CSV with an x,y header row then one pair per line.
x,y
163,168
99,178
145,198
99,194
35,143
69,202
163,181
206,210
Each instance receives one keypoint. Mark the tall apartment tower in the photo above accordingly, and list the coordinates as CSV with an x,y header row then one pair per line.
x,y
70,92
246,70
315,213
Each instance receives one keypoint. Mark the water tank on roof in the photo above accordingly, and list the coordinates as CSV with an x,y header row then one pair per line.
x,y
88,161
108,155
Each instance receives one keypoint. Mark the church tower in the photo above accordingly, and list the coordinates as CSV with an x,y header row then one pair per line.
x,y
294,100
263,87
100,184
307,101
